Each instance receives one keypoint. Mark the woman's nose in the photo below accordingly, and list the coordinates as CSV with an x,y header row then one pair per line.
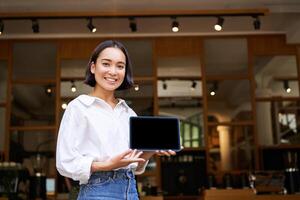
x,y
113,70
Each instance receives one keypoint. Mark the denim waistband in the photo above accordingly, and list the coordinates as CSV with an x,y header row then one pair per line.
x,y
120,173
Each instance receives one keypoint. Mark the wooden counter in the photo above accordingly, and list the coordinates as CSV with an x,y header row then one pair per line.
x,y
244,194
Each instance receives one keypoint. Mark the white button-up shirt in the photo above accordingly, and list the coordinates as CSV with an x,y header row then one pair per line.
x,y
91,130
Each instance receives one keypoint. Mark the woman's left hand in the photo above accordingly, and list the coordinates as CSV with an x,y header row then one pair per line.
x,y
165,153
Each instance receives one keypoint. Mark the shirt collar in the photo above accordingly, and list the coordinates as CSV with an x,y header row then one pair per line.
x,y
89,100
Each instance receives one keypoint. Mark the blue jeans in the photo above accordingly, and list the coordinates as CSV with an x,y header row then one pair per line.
x,y
110,185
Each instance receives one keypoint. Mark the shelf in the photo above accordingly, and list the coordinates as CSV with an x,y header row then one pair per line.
x,y
74,78
285,78
179,78
277,98
227,77
143,78
188,149
238,123
35,81
32,128
180,97
281,146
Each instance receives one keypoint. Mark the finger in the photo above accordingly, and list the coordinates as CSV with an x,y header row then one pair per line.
x,y
173,153
164,153
125,153
138,154
132,155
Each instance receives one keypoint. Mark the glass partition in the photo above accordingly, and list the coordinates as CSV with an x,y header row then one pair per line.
x,y
2,128
219,60
140,52
231,148
276,76
33,105
3,80
34,60
278,122
229,100
139,98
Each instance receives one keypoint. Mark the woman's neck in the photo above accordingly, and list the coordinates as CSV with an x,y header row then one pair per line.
x,y
107,96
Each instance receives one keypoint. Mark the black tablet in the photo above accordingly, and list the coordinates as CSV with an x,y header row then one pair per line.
x,y
154,133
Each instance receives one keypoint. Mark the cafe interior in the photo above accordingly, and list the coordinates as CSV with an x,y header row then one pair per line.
x,y
228,70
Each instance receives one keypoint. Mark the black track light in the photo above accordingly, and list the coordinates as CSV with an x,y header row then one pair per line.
x,y
214,88
1,27
90,26
175,25
219,25
132,24
164,85
73,87
286,86
48,90
256,23
193,86
35,26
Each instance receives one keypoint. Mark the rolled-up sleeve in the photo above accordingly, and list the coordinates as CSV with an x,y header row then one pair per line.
x,y
69,161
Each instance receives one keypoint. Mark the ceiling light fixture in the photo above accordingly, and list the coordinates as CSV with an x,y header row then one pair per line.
x,y
136,87
175,25
219,25
214,89
256,23
64,106
193,86
48,90
164,85
90,26
132,24
73,87
35,26
286,86
1,27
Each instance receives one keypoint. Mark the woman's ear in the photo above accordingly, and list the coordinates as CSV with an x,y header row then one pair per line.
x,y
92,67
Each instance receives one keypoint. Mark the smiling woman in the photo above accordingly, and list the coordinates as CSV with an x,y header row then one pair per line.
x,y
93,140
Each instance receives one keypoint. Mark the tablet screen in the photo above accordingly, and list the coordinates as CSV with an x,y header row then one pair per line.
x,y
154,133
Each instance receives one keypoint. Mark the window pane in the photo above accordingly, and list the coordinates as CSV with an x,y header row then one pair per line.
x,y
220,61
140,52
2,128
141,100
278,122
3,80
231,148
276,76
31,105
231,100
34,60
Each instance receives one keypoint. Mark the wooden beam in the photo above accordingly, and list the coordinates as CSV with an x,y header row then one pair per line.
x,y
227,77
33,81
32,128
179,78
278,98
285,78
135,13
237,123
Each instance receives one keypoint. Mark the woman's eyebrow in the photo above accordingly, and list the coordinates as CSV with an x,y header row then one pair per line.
x,y
109,60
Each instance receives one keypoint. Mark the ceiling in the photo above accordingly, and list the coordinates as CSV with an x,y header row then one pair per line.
x,y
119,5
283,17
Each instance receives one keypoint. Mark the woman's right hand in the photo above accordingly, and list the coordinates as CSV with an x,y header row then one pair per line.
x,y
118,161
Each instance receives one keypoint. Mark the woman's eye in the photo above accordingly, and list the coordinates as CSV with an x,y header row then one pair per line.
x,y
121,66
105,64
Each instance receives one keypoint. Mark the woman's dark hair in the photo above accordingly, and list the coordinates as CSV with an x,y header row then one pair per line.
x,y
90,77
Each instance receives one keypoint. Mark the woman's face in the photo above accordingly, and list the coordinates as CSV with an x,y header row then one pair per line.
x,y
109,69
